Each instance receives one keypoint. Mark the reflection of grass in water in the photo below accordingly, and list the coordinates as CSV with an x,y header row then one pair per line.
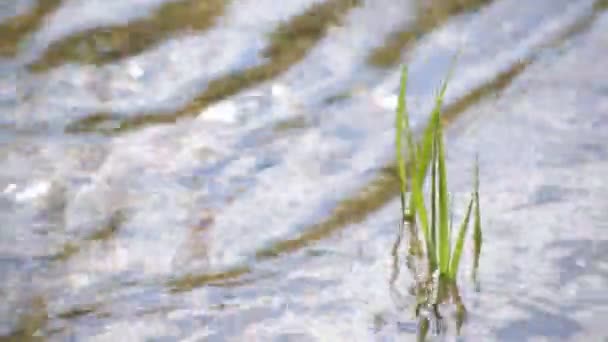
x,y
107,44
14,29
430,14
290,43
442,254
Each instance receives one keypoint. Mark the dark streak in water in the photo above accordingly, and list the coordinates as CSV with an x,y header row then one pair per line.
x,y
431,14
290,43
373,196
104,233
192,281
78,311
15,29
601,5
111,228
582,25
30,322
107,44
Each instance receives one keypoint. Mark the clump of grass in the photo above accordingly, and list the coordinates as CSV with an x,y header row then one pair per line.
x,y
433,218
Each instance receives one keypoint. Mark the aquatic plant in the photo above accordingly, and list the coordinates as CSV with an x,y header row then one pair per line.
x,y
442,253
428,156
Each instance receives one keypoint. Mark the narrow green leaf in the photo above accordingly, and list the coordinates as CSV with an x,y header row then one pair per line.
x,y
455,261
411,157
444,215
420,210
399,127
433,232
433,137
451,230
425,148
477,235
423,328
423,159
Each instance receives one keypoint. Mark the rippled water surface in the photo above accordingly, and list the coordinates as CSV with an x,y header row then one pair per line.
x,y
222,170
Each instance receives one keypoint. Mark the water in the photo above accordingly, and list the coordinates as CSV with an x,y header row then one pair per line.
x,y
222,170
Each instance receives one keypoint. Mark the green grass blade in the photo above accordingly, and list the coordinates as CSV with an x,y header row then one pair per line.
x,y
434,137
406,118
411,147
444,215
423,159
425,148
433,231
455,261
451,230
423,329
420,210
399,127
477,235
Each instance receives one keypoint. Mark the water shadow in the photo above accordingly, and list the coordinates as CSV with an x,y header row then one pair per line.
x,y
107,44
15,29
30,323
289,44
429,15
103,233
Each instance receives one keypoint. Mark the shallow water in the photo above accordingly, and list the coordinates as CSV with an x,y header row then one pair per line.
x,y
222,170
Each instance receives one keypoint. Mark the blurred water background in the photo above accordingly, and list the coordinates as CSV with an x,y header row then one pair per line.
x,y
223,169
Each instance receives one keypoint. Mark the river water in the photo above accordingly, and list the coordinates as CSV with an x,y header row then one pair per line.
x,y
223,170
